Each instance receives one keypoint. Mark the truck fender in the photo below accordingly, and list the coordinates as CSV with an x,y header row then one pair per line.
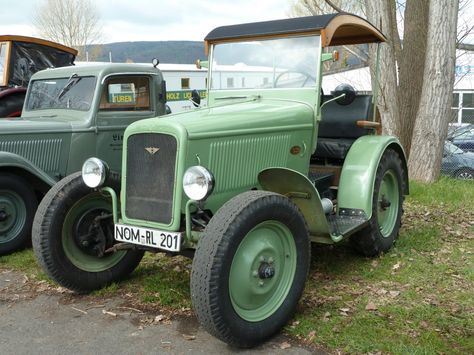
x,y
356,184
301,191
17,162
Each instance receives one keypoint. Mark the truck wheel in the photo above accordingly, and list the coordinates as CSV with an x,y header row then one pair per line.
x,y
71,231
250,268
12,105
387,201
17,208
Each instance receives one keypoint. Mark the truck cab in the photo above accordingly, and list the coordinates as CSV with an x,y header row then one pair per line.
x,y
69,114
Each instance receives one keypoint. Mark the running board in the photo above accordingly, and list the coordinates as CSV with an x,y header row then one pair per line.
x,y
344,225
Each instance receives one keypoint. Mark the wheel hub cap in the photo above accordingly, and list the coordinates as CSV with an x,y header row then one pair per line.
x,y
262,271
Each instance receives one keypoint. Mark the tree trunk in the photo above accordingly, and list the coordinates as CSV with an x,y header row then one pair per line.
x,y
380,14
411,64
436,97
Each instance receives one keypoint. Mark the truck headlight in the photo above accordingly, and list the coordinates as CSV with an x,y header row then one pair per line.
x,y
94,172
198,183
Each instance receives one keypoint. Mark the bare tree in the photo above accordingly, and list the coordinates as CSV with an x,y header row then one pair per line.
x,y
436,98
75,23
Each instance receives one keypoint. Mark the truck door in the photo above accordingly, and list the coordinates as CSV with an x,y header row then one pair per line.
x,y
124,99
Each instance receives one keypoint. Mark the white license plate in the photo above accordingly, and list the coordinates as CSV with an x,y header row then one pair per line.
x,y
148,237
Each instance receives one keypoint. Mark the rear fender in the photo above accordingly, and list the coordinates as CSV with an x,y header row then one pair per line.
x,y
356,185
301,191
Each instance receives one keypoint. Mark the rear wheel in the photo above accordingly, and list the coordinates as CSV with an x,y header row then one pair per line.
x,y
384,225
17,208
11,105
250,268
72,232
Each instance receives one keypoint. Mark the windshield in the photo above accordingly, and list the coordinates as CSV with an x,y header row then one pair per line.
x,y
276,63
74,93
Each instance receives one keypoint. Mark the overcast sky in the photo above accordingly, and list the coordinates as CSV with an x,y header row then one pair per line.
x,y
161,20
154,20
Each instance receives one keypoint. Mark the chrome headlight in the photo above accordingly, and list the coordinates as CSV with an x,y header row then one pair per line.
x,y
94,172
198,183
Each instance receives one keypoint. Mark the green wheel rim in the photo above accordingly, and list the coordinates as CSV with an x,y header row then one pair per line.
x,y
269,245
12,215
74,253
388,203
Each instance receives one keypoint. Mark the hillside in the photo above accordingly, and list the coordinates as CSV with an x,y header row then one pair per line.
x,y
178,52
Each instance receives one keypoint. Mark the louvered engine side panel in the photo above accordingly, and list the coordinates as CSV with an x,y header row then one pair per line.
x,y
44,153
236,162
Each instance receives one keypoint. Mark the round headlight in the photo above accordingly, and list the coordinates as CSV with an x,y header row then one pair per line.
x,y
198,183
94,172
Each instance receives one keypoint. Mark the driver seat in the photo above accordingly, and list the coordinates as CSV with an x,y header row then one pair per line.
x,y
338,128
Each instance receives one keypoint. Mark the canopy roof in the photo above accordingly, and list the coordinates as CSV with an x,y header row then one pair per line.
x,y
335,29
43,42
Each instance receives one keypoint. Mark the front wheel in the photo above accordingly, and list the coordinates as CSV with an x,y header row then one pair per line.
x,y
72,232
384,225
250,268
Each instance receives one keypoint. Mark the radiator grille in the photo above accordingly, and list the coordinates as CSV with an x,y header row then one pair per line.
x,y
151,162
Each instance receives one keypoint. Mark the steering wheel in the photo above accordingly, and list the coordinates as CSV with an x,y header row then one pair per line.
x,y
307,77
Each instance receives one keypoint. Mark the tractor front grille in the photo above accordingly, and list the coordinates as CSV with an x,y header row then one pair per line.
x,y
151,163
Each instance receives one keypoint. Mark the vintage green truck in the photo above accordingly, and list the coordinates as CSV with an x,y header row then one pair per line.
x,y
242,185
70,113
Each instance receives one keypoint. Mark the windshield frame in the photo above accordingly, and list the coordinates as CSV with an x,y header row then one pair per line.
x,y
315,70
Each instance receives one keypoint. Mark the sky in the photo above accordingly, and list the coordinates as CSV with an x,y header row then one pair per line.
x,y
154,20
162,20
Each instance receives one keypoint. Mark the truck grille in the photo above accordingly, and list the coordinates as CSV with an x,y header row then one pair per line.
x,y
151,161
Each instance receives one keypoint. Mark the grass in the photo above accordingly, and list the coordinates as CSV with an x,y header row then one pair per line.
x,y
416,299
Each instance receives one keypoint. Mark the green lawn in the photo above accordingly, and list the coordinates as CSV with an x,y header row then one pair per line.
x,y
416,299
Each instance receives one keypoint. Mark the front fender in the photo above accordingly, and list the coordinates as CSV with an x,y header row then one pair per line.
x,y
11,160
302,192
356,185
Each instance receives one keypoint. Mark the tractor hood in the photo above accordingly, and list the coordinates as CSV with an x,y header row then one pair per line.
x,y
256,115
35,125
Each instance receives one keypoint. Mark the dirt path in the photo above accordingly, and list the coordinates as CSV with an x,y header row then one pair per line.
x,y
36,318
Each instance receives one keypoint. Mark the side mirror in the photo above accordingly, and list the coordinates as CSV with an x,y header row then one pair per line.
x,y
195,98
167,109
348,92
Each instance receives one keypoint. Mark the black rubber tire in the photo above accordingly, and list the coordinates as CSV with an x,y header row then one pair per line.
x,y
214,256
464,174
47,239
23,189
11,104
369,241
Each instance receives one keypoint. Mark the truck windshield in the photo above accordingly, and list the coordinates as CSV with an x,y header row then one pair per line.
x,y
290,62
62,93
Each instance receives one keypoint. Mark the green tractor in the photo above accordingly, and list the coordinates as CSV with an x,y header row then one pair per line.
x,y
243,185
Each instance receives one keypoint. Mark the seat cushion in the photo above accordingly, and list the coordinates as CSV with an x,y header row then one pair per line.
x,y
335,148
